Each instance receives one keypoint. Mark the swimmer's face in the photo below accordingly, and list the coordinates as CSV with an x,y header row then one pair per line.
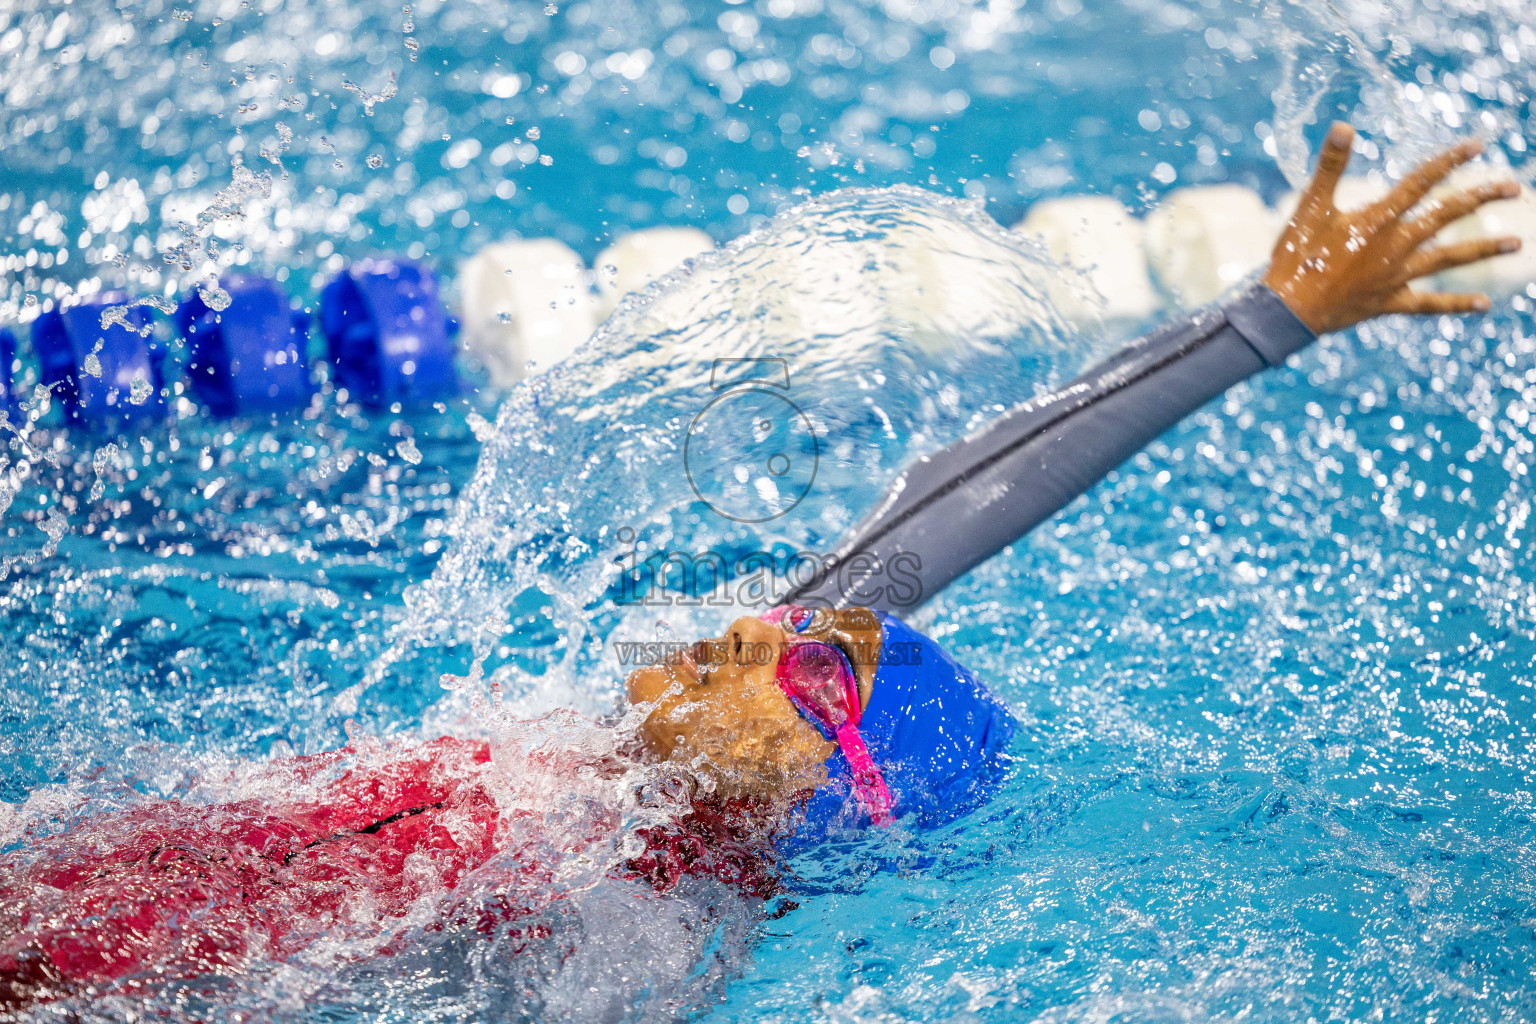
x,y
722,701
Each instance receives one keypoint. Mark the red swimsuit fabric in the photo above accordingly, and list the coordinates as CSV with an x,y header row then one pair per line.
x,y
169,889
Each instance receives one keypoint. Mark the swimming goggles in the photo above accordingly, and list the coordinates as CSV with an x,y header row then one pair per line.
x,y
819,681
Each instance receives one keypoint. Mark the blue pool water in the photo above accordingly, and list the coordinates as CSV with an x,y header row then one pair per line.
x,y
1275,676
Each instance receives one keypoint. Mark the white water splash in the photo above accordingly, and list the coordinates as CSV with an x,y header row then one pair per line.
x,y
214,297
105,456
229,203
387,92
877,303
120,314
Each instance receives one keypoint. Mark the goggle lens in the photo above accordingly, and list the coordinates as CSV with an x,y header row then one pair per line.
x,y
818,676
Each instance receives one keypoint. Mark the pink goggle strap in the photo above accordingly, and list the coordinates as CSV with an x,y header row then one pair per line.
x,y
868,783
818,680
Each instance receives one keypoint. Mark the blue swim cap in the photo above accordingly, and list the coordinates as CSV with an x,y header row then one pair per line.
x,y
938,735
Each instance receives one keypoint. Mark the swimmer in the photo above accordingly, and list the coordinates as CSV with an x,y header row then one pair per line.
x,y
819,716
801,721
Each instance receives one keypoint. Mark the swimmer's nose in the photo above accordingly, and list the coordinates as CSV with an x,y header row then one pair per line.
x,y
691,667
750,631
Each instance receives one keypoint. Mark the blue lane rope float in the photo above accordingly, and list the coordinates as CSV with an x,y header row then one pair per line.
x,y
387,335
105,376
7,363
251,356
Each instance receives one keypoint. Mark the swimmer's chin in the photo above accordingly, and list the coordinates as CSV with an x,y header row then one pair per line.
x,y
766,764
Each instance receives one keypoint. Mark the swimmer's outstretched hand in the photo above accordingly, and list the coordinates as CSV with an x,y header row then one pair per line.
x,y
1335,269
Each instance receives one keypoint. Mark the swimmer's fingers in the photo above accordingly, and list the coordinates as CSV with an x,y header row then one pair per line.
x,y
1331,162
1436,258
1430,303
1423,178
1454,207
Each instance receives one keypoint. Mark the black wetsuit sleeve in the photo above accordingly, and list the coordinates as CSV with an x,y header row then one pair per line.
x,y
952,510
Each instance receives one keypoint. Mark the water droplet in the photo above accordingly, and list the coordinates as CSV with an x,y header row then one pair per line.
x,y
390,88
551,10
55,525
214,297
140,390
92,365
480,426
408,451
375,161
99,463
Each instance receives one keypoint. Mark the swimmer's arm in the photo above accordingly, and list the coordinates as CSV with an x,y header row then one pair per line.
x,y
954,509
